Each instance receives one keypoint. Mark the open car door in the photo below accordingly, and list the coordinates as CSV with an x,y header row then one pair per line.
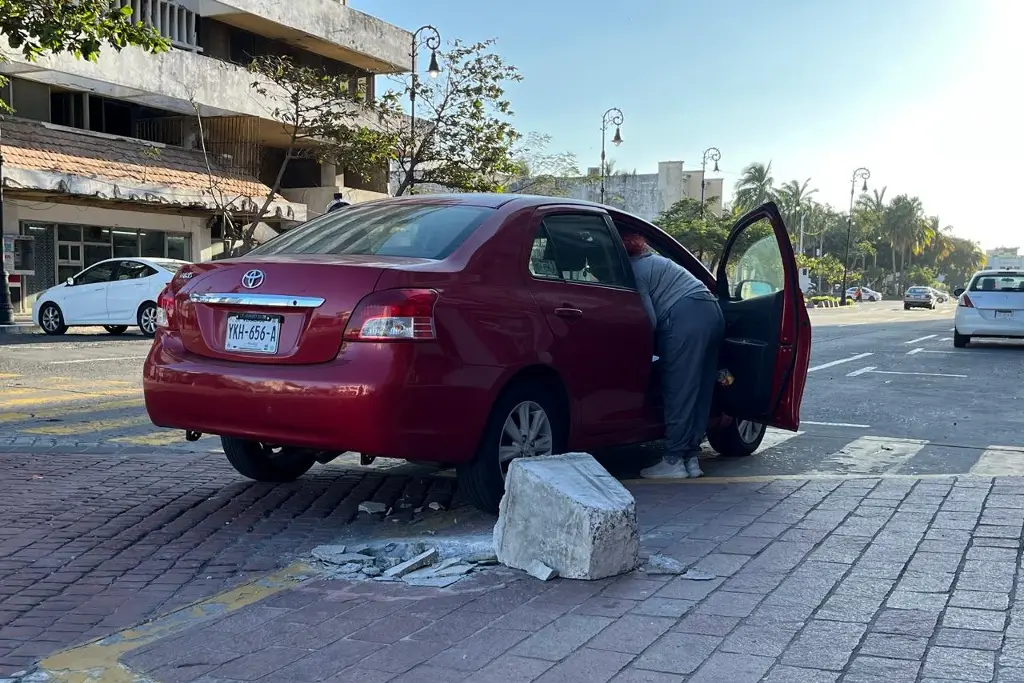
x,y
767,343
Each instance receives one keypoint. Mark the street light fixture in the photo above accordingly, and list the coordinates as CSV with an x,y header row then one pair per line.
x,y
710,154
612,117
860,174
432,40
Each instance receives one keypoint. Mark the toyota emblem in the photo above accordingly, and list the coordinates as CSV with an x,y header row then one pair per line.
x,y
252,279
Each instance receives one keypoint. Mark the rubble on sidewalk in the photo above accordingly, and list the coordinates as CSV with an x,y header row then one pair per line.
x,y
570,514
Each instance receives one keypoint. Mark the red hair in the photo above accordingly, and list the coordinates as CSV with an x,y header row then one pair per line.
x,y
635,243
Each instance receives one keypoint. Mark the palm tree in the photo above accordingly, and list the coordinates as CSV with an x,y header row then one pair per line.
x,y
794,200
756,186
902,226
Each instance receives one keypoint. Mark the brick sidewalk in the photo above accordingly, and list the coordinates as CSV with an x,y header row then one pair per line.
x,y
864,580
90,544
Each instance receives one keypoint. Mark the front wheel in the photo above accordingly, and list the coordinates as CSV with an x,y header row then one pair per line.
x,y
51,319
872,299
961,341
116,329
262,462
906,307
147,318
738,439
527,421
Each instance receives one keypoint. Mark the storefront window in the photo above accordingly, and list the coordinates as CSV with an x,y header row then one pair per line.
x,y
94,253
69,233
178,247
152,244
93,234
126,243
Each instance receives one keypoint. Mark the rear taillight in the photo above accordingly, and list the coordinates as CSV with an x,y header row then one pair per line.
x,y
393,315
165,313
965,301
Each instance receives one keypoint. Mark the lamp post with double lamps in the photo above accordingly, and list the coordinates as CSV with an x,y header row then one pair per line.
x,y
710,154
612,117
429,37
860,174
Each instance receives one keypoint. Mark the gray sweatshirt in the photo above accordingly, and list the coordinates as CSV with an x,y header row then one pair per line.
x,y
662,282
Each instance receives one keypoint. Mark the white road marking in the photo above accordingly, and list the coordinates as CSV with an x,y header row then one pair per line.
x,y
923,374
861,371
946,339
999,461
834,424
920,339
938,351
838,362
871,455
94,360
913,351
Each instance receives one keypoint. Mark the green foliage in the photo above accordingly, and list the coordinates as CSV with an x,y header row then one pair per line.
x,y
82,27
464,138
703,236
541,172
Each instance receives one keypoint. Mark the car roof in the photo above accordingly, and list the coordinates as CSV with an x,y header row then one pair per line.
x,y
143,259
998,273
493,200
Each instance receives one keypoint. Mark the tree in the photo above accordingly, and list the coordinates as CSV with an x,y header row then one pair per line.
x,y
755,187
704,236
82,28
541,172
322,119
794,200
464,138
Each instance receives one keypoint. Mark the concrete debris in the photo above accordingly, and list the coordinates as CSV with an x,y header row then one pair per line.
x,y
663,564
372,570
482,559
434,505
567,512
697,575
421,560
433,581
445,564
329,554
454,570
539,570
372,507
350,568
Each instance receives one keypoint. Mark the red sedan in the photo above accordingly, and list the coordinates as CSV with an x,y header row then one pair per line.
x,y
462,329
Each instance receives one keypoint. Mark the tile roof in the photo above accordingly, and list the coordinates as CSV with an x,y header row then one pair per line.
x,y
35,146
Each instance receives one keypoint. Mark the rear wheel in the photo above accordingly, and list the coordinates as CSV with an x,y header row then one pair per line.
x,y
960,340
527,421
738,439
262,462
116,329
51,319
147,318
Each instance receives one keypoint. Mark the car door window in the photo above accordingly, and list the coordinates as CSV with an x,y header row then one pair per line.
x,y
103,272
578,248
755,268
133,270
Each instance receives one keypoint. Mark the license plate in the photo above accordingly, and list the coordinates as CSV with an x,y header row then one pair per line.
x,y
252,333
1004,315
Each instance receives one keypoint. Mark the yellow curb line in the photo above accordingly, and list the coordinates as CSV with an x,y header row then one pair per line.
x,y
803,477
97,662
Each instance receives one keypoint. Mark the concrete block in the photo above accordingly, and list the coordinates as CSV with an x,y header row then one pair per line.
x,y
421,560
567,512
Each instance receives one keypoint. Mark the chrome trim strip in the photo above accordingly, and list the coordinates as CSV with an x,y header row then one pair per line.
x,y
264,300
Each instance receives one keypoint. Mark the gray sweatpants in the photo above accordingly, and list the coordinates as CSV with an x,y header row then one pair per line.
x,y
688,347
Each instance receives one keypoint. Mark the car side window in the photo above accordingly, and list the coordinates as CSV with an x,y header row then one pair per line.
x,y
133,270
755,267
578,248
102,272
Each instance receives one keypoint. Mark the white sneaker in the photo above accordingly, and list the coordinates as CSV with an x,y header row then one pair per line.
x,y
693,469
665,470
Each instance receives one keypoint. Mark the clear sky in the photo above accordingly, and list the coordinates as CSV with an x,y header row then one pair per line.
x,y
925,93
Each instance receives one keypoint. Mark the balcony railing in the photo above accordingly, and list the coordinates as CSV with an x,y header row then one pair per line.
x,y
174,22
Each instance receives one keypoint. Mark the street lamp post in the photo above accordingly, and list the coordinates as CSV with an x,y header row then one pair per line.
x,y
710,154
432,40
860,174
611,117
6,308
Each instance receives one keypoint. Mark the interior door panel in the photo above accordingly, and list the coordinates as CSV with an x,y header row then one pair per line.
x,y
748,353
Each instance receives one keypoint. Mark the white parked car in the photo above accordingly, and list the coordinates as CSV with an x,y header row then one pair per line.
x,y
115,293
867,294
992,305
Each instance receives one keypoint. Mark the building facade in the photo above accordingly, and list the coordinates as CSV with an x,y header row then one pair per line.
x,y
1004,257
109,158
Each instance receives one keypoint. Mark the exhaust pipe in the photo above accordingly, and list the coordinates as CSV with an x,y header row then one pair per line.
x,y
192,436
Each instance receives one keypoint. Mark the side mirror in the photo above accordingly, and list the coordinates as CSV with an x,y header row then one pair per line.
x,y
70,282
958,291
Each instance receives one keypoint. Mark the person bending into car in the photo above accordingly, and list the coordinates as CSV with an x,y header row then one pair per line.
x,y
688,326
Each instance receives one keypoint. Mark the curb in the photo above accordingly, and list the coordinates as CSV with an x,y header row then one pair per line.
x,y
20,328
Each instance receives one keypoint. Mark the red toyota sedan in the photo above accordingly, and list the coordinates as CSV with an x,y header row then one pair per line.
x,y
462,329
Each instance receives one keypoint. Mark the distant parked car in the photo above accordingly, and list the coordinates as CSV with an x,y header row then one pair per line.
x,y
866,294
940,296
919,297
116,293
992,305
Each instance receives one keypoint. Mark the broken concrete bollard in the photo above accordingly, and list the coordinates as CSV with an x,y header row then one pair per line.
x,y
566,512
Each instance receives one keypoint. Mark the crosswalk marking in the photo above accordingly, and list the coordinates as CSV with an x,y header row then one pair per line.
x,y
871,455
999,461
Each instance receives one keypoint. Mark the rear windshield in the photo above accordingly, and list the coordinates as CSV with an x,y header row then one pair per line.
x,y
430,231
918,290
170,266
1009,282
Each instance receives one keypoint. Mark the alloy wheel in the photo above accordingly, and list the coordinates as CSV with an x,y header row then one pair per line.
x,y
50,319
526,433
748,431
147,320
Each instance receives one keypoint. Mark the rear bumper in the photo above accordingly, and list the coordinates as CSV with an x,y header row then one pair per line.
x,y
918,303
391,400
969,322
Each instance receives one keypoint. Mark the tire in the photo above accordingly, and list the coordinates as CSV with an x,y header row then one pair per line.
x,y
906,307
146,318
116,329
261,462
872,299
739,439
51,319
482,480
960,341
